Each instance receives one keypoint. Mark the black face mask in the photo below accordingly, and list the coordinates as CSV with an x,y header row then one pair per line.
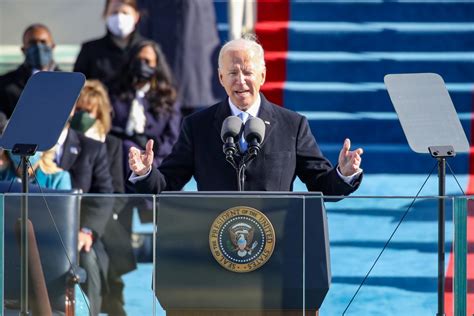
x,y
141,71
39,55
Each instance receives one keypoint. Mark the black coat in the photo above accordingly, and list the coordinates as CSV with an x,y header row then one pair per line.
x,y
117,233
288,150
115,157
187,32
103,59
11,86
86,160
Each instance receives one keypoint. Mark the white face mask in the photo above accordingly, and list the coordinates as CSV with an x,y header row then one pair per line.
x,y
121,25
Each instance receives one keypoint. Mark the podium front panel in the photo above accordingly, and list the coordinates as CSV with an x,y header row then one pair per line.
x,y
192,272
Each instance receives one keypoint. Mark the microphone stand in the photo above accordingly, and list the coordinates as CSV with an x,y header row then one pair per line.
x,y
241,175
250,155
230,150
244,161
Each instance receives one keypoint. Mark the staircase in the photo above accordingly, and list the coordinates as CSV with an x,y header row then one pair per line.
x,y
327,60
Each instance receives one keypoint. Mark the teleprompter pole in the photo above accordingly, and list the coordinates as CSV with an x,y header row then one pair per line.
x,y
441,153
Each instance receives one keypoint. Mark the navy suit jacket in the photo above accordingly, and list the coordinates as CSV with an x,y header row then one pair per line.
x,y
288,150
86,161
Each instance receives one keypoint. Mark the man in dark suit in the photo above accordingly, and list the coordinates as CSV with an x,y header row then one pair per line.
x,y
86,160
288,150
38,46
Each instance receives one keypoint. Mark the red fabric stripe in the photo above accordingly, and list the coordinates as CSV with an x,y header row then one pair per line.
x,y
272,32
449,303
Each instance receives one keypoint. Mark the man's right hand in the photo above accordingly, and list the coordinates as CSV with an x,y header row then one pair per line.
x,y
140,162
84,242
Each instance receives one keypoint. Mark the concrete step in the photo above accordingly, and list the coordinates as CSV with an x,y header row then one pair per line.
x,y
361,67
395,159
357,97
379,36
375,11
367,127
11,56
362,37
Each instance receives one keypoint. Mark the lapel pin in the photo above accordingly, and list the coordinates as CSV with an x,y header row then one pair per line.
x,y
74,150
267,122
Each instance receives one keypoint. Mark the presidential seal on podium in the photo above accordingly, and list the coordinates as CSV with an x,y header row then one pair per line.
x,y
242,239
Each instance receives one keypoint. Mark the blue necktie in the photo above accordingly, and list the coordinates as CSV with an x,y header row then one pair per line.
x,y
243,144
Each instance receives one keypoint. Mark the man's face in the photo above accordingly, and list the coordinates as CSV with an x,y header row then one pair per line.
x,y
37,48
241,77
36,36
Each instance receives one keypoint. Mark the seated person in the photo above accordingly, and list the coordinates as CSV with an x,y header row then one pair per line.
x,y
38,47
102,58
144,102
44,171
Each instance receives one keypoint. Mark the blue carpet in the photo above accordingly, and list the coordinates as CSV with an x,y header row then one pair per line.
x,y
404,280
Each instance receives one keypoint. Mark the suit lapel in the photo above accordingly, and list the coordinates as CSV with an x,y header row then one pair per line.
x,y
22,76
266,113
71,150
222,112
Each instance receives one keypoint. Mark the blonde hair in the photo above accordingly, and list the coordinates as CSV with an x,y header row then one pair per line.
x,y
46,162
95,92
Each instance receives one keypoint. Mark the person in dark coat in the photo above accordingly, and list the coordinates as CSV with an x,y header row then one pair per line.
x,y
144,102
187,32
86,160
38,46
102,58
288,150
93,118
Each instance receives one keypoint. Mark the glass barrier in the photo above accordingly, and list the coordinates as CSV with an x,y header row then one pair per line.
x,y
383,253
236,253
2,255
75,242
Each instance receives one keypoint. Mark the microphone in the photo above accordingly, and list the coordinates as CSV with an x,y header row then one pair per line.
x,y
254,133
230,131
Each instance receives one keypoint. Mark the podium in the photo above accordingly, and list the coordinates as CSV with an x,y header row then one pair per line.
x,y
241,253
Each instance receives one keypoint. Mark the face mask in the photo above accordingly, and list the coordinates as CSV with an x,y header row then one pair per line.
x,y
82,121
39,56
121,25
141,71
16,159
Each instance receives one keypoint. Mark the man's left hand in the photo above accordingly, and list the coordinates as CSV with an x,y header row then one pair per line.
x,y
349,161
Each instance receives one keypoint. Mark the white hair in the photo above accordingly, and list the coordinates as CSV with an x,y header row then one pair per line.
x,y
247,42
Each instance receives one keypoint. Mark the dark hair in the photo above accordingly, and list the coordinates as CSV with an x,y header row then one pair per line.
x,y
162,93
132,3
33,27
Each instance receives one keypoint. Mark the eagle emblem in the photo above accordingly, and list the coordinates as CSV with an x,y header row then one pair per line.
x,y
242,239
241,236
